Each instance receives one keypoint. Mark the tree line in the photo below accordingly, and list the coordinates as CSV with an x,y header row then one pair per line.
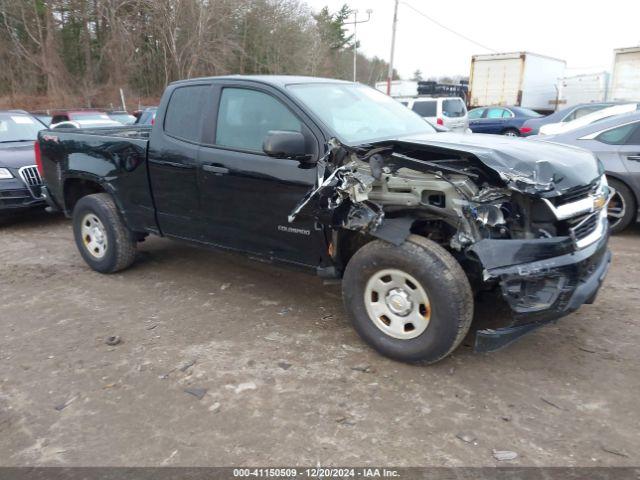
x,y
65,51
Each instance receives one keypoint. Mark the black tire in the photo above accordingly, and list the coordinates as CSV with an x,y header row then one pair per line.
x,y
511,132
120,249
624,199
442,278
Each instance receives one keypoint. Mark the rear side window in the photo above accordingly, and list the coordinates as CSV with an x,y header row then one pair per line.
x,y
476,113
184,112
498,113
426,109
622,135
246,116
453,108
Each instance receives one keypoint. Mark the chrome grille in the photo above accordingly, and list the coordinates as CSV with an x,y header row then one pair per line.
x,y
31,178
584,226
576,193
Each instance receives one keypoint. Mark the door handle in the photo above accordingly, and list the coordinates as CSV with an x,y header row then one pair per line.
x,y
215,169
635,158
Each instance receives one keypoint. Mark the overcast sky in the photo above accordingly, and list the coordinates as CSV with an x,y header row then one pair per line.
x,y
584,33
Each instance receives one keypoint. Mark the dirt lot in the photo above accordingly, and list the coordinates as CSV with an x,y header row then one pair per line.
x,y
287,380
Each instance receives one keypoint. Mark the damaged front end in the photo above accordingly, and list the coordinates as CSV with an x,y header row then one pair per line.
x,y
536,229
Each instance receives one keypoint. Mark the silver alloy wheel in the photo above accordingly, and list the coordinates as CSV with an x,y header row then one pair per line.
x,y
616,209
397,304
94,235
510,133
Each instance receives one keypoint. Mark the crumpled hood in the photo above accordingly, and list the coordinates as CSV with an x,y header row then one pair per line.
x,y
524,165
16,155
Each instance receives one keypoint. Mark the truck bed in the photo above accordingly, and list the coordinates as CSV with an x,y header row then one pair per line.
x,y
113,157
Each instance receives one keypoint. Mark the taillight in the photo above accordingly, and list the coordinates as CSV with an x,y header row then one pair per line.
x,y
525,130
153,121
36,150
440,122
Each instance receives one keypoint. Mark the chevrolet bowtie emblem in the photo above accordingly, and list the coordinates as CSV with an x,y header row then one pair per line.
x,y
599,201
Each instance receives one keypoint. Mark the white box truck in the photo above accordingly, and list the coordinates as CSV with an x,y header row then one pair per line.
x,y
585,88
522,79
625,75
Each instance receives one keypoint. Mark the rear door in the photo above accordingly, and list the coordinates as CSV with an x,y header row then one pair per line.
x,y
245,195
493,120
173,160
629,152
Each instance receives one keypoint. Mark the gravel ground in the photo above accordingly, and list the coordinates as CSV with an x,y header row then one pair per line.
x,y
225,361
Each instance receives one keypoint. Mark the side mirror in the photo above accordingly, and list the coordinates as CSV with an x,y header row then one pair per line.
x,y
285,144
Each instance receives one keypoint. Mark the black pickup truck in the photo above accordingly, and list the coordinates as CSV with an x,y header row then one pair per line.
x,y
340,179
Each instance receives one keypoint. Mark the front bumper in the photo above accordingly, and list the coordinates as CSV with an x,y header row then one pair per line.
x,y
14,195
541,289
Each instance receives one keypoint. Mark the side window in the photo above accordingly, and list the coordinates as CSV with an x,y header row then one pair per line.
x,y
496,113
476,113
619,135
426,109
581,112
184,112
634,138
246,116
506,114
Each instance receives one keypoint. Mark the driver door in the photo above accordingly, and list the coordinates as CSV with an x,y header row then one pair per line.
x,y
245,195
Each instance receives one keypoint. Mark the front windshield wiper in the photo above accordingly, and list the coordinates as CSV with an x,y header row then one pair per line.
x,y
20,140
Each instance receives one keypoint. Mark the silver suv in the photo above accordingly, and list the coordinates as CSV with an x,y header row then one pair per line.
x,y
449,112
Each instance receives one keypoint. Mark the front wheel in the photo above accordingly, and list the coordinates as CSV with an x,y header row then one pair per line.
x,y
411,303
104,241
621,210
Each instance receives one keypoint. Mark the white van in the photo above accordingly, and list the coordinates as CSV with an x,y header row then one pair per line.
x,y
449,112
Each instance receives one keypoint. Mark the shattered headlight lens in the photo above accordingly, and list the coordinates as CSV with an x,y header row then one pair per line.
x,y
5,174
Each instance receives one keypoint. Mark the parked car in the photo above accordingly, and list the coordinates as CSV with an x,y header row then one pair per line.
x,y
147,116
532,126
449,112
81,119
340,179
20,180
500,120
597,116
122,116
616,143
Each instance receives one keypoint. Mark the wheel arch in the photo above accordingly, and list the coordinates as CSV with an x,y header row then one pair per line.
x,y
77,186
392,230
620,178
632,189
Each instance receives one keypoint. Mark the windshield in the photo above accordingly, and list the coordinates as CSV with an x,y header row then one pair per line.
x,y
359,114
16,127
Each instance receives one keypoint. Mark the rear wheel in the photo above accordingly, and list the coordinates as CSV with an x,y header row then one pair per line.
x,y
104,241
621,210
411,303
511,132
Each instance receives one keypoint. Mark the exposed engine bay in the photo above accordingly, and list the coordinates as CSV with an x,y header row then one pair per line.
x,y
506,226
451,198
